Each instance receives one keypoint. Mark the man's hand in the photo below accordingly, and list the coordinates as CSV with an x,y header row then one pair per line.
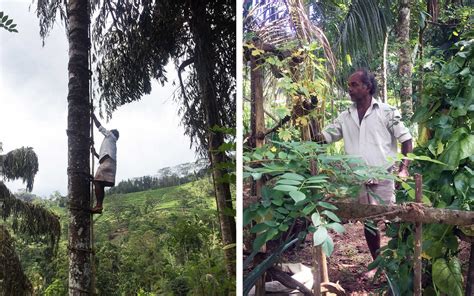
x,y
94,152
96,121
403,174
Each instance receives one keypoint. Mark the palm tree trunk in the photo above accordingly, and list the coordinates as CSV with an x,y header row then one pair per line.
x,y
405,65
78,149
203,60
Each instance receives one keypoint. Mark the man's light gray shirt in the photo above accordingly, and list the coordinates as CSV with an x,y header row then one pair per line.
x,y
109,144
375,138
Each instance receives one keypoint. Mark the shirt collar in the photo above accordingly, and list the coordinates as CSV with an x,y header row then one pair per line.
x,y
374,102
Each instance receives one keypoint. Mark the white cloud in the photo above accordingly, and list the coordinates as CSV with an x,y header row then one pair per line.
x,y
33,109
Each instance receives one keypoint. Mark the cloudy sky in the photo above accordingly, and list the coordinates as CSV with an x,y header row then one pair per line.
x,y
33,109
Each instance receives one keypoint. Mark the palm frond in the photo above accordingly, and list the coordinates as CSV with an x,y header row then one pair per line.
x,y
13,280
28,218
20,163
280,22
363,30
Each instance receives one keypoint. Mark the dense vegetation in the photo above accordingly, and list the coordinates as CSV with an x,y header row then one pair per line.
x,y
163,241
298,56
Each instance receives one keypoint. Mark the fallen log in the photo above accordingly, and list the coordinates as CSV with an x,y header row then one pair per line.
x,y
407,212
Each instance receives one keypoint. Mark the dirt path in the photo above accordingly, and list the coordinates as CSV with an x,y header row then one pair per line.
x,y
348,263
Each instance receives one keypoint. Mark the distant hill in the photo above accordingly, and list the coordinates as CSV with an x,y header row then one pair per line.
x,y
184,169
165,177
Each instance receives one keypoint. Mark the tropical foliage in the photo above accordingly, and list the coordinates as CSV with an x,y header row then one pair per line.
x,y
155,242
7,23
301,94
33,222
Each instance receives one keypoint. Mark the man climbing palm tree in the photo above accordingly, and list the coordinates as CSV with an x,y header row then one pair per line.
x,y
105,176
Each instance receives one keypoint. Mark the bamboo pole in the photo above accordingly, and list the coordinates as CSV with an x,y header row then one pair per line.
x,y
417,264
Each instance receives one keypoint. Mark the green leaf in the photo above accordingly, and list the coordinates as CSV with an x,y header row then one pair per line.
x,y
259,241
308,209
320,236
288,182
247,216
327,205
337,227
297,196
286,188
331,215
316,219
293,176
282,155
328,246
8,22
283,227
317,179
282,210
256,176
259,228
467,147
461,183
447,276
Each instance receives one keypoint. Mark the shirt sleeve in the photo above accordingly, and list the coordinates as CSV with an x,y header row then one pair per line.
x,y
398,128
333,132
103,130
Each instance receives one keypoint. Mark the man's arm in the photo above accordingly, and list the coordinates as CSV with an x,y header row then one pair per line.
x,y
96,121
407,147
94,152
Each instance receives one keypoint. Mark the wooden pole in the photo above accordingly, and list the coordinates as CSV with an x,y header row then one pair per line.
x,y
417,264
257,123
407,212
317,251
320,270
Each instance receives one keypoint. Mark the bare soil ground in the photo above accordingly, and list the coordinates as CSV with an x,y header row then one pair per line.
x,y
348,263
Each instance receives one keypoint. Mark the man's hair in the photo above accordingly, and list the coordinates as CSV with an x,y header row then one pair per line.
x,y
368,79
116,133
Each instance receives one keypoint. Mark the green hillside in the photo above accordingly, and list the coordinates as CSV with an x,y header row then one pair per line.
x,y
156,242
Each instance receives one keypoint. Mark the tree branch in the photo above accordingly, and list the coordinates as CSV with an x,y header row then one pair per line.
x,y
180,69
408,212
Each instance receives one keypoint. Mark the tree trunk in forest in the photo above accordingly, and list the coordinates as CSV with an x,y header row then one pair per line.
x,y
257,127
405,65
257,116
203,60
78,149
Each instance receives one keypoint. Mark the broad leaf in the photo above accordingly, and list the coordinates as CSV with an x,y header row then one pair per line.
x,y
331,215
337,227
328,246
288,182
286,188
293,176
316,219
320,235
297,196
327,205
447,276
